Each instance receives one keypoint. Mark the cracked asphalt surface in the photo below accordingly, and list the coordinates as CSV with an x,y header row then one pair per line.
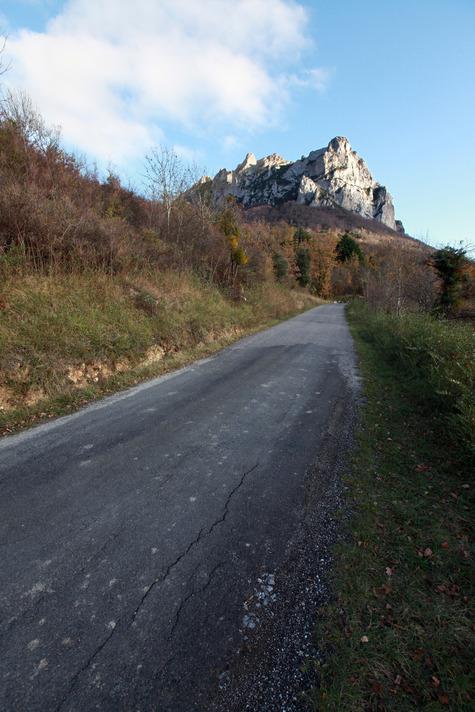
x,y
156,546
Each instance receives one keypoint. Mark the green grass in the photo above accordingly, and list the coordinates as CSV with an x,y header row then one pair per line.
x,y
435,358
67,339
399,633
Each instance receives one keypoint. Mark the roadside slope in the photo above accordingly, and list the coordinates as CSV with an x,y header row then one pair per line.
x,y
68,339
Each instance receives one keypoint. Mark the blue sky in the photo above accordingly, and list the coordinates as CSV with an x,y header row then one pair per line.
x,y
218,78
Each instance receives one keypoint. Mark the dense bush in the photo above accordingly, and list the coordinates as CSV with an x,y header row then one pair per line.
x,y
301,235
449,263
281,266
303,262
347,248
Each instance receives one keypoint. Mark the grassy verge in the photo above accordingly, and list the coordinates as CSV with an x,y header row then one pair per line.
x,y
67,340
399,634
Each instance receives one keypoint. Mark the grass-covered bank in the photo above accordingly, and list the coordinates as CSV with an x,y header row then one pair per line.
x,y
67,339
399,633
435,360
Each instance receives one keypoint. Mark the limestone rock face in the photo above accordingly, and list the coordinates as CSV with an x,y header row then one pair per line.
x,y
329,177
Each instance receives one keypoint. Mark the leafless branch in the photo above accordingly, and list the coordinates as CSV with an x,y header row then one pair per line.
x,y
4,66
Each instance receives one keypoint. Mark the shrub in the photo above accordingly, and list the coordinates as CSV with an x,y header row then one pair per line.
x,y
281,266
302,260
449,263
301,235
347,248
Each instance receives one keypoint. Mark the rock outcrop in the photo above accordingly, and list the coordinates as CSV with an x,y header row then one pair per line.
x,y
400,228
334,176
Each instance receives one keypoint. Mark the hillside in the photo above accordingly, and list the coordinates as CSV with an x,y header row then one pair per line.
x,y
321,219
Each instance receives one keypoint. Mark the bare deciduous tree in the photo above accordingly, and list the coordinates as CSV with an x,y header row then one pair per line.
x,y
397,278
167,176
17,107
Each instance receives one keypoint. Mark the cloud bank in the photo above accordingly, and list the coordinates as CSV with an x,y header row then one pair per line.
x,y
114,73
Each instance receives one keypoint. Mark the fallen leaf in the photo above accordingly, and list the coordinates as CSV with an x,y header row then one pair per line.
x,y
427,553
364,639
435,681
389,571
422,468
445,545
443,699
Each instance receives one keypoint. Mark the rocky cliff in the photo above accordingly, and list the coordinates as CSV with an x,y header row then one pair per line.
x,y
329,177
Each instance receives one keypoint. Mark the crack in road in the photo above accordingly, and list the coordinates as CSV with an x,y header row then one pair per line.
x,y
230,496
195,541
193,592
87,664
156,581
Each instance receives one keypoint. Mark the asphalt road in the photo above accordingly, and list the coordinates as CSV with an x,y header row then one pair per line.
x,y
142,537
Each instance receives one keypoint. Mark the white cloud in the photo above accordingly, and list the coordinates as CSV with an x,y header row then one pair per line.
x,y
113,72
317,79
188,154
229,142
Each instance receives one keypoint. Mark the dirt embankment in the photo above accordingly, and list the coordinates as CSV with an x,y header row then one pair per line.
x,y
65,340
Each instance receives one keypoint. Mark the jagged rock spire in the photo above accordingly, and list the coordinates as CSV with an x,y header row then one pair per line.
x,y
332,176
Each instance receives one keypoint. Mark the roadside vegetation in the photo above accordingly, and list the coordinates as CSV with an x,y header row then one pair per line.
x,y
436,359
398,634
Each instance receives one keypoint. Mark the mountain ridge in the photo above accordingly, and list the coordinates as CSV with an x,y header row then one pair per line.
x,y
331,177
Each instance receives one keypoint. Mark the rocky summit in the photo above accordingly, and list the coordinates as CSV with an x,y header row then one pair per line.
x,y
334,176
